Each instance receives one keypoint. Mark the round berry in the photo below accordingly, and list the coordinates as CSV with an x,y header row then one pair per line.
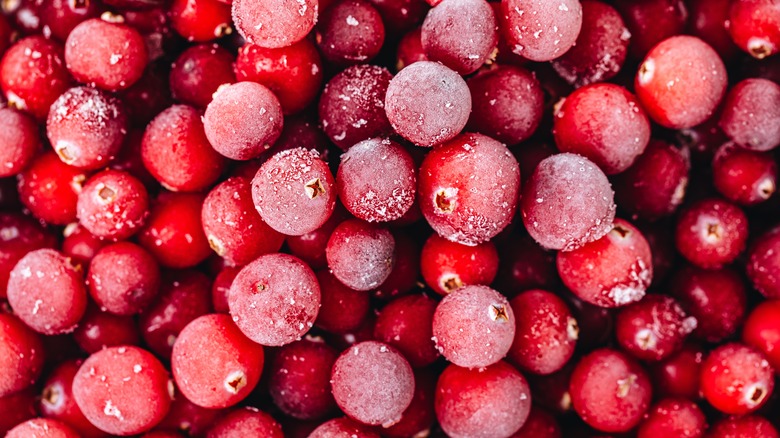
x,y
112,205
447,266
406,324
747,426
357,42
342,428
744,176
19,235
247,421
200,20
673,417
21,355
342,309
754,26
42,428
123,278
751,113
274,23
540,30
653,328
50,188
57,402
199,71
19,141
736,379
361,255
711,233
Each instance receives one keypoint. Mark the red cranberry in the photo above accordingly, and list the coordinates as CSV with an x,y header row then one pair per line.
x,y
177,153
673,417
600,49
33,75
711,233
59,17
215,339
655,185
310,247
342,427
653,328
47,292
460,34
184,296
148,97
112,205
681,82
736,379
221,288
751,113
293,73
123,390
57,402
763,267
546,332
567,202
199,71
539,423
447,266
753,25
32,428
468,188
98,330
651,21
410,49
19,141
470,402
22,355
747,426
200,20
189,418
80,245
173,232
342,309
762,330
406,269
678,374
247,421
744,176
275,299
507,103
406,324
232,226
360,255
541,31
17,408
523,265
708,22
274,23
357,42
418,418
610,391
19,235
372,383
437,118
123,278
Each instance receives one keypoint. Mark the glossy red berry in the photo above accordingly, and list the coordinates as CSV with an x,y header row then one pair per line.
x,y
406,324
19,141
744,176
677,376
762,330
753,25
653,328
651,21
711,233
112,205
99,329
199,71
200,20
736,379
447,266
746,426
22,355
673,417
763,266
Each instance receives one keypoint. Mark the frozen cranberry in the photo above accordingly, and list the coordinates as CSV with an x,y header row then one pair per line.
x,y
754,26
57,402
356,42
399,16
763,267
200,20
360,255
655,185
294,191
310,247
604,123
418,418
240,131
673,417
33,75
177,153
600,49
46,292
21,355
300,129
539,423
293,73
406,324
610,391
342,428
460,34
468,188
342,309
247,421
751,113
17,408
184,296
123,390
744,176
149,96
524,265
747,426
86,127
188,418
717,299
651,21
492,401
123,278
681,82
406,269
352,108
275,299
42,428
98,330
711,233
567,202
199,71
173,233
507,103
19,235
708,21
215,339
221,288
546,332
80,245
438,116
762,330
377,180
233,228
678,374
373,383
541,31
653,328
474,326
299,380
114,64
274,23
19,141
410,49
112,205
736,379
447,266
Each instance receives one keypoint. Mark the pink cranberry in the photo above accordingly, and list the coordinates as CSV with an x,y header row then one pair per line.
x,y
360,255
57,402
19,141
123,278
751,113
52,428
247,421
541,31
274,23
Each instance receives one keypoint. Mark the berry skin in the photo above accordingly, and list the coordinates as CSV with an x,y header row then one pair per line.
x,y
19,141
57,402
736,379
762,330
673,417
763,266
42,428
677,376
751,113
653,328
50,188
19,235
711,233
447,266
123,278
406,324
747,426
753,25
199,71
360,255
744,176
541,31
275,23
21,355
247,421
112,205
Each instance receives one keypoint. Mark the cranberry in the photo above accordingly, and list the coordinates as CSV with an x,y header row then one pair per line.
x,y
22,355
310,247
342,427
247,421
360,255
418,418
523,265
708,21
751,113
678,374
612,271
546,332
744,176
711,233
148,97
357,42
112,205
80,245
19,141
200,20
610,391
747,426
406,270
541,31
736,379
673,417
117,404
57,402
189,418
764,264
653,328
406,324
447,266
221,288
762,331
470,402
753,25
539,423
19,235
59,17
274,23
123,278
17,408
342,309
199,71
410,49
98,330
52,428
651,21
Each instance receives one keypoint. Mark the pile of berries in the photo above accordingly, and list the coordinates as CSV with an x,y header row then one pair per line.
x,y
389,218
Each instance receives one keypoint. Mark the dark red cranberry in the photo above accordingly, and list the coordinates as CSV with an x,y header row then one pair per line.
x,y
310,247
221,288
199,71
148,97
405,323
736,379
17,408
19,235
751,113
651,21
406,270
678,374
200,20
744,176
19,141
747,426
711,233
357,42
80,245
410,49
673,417
398,16
98,330
653,328
22,353
708,21
341,309
763,266
59,17
188,418
610,391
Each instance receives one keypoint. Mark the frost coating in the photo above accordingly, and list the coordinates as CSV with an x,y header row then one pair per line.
x,y
274,23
